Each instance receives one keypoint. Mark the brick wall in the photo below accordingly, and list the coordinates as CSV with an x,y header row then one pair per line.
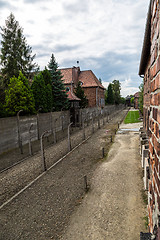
x,y
94,96
152,117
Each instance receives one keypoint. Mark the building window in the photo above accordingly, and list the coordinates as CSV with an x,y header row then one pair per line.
x,y
67,89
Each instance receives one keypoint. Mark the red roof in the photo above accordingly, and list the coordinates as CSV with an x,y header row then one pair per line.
x,y
67,75
89,79
136,95
72,96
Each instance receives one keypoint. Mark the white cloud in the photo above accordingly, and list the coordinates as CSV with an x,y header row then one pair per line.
x,y
86,30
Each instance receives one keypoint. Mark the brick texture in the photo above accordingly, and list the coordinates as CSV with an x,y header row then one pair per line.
x,y
152,113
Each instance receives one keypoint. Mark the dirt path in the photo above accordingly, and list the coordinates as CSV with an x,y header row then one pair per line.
x,y
113,208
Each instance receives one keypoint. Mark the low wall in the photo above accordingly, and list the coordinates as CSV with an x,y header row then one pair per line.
x,y
55,121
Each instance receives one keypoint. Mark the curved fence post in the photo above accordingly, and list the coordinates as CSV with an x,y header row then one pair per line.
x,y
99,126
69,138
62,119
19,134
42,151
38,135
30,145
92,124
83,127
55,139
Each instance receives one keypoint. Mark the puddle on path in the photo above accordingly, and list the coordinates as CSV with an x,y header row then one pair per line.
x,y
125,130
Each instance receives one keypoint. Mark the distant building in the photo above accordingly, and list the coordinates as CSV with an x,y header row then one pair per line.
x,y
128,101
136,100
92,87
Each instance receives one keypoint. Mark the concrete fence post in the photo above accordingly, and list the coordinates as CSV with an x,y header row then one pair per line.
x,y
19,133
83,127
55,138
87,119
103,118
99,126
103,153
86,187
51,123
30,144
42,152
69,137
92,124
62,122
38,134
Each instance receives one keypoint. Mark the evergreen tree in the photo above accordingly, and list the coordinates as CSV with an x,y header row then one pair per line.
x,y
110,95
60,99
48,85
116,86
39,92
79,92
19,96
15,55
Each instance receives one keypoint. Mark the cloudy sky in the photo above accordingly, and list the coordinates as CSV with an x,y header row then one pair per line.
x,y
105,36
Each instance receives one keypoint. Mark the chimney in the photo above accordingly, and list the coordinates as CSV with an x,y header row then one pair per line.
x,y
75,75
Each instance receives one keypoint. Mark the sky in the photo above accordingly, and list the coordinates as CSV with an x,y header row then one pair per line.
x,y
105,36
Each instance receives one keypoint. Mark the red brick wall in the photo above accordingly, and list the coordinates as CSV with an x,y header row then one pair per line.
x,y
136,103
152,117
94,96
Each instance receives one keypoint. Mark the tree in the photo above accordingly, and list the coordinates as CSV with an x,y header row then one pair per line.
x,y
110,96
123,100
141,88
39,93
19,96
100,80
15,55
60,99
42,91
116,86
48,88
79,92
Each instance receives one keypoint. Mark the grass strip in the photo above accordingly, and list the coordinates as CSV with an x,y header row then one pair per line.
x,y
132,117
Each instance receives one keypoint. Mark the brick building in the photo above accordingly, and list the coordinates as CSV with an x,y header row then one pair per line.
x,y
150,70
92,87
136,100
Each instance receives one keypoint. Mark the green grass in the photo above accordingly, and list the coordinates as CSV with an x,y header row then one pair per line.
x,y
132,117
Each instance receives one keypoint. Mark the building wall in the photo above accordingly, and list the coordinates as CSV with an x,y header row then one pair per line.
x,y
136,103
95,96
152,117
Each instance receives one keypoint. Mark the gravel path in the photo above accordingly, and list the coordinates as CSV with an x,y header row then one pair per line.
x,y
113,208
53,207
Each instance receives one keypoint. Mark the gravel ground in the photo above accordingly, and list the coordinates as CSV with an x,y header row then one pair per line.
x,y
113,208
51,204
16,178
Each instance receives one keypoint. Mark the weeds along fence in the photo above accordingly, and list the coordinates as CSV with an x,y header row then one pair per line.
x,y
21,131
